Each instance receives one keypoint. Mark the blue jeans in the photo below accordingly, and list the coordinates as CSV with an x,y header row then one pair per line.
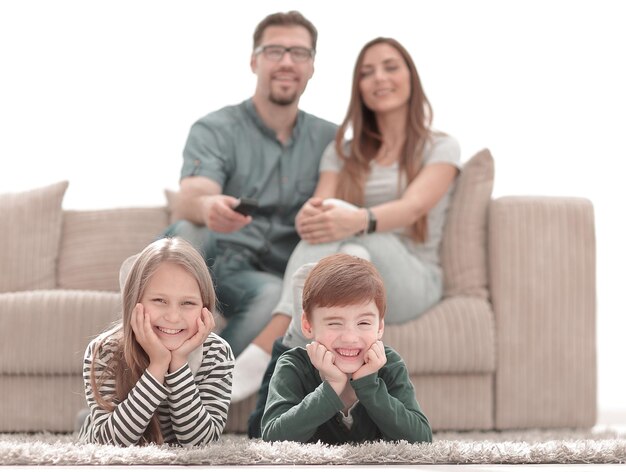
x,y
246,294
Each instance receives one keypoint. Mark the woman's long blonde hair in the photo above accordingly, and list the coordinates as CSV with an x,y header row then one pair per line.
x,y
129,360
367,139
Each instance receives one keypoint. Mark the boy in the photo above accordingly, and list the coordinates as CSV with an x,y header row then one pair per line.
x,y
346,386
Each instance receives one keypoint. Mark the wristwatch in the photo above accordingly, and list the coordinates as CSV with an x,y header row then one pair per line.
x,y
371,221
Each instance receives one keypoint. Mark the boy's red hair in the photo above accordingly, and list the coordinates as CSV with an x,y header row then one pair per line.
x,y
341,280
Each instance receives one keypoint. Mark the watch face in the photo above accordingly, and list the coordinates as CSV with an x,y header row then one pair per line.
x,y
371,226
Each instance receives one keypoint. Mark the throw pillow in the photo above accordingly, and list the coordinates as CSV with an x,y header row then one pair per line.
x,y
30,225
172,201
464,243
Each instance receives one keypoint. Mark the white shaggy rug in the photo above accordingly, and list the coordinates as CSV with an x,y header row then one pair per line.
x,y
512,447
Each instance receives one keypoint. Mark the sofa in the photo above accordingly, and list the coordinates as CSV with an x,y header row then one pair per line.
x,y
511,344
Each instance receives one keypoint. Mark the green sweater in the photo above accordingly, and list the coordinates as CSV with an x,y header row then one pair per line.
x,y
300,407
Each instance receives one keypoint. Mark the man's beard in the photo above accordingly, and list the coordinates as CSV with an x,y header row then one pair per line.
x,y
283,100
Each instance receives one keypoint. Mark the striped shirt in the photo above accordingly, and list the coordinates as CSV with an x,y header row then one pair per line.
x,y
191,408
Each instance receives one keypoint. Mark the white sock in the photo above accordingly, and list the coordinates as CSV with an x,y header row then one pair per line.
x,y
248,373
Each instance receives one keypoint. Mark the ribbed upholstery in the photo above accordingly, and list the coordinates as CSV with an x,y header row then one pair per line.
x,y
464,244
30,231
95,243
455,336
542,276
41,402
238,414
455,402
54,329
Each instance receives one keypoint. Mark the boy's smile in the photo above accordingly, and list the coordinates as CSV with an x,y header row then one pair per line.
x,y
349,360
347,332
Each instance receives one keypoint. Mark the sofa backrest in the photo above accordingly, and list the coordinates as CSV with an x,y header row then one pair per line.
x,y
94,243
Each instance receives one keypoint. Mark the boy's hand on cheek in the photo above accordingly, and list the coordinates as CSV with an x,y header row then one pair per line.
x,y
375,358
324,361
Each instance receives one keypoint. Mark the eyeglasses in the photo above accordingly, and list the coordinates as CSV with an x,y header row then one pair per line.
x,y
275,53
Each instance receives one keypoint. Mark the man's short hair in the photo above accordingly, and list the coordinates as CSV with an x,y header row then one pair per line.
x,y
290,18
341,280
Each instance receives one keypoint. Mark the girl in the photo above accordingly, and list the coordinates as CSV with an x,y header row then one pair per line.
x,y
394,178
160,375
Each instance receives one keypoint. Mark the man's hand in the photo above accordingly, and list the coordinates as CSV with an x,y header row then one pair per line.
x,y
160,357
205,324
375,358
324,361
312,207
219,216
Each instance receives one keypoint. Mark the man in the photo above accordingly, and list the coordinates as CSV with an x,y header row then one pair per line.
x,y
266,149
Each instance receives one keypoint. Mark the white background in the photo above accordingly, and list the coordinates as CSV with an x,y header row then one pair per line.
x,y
102,93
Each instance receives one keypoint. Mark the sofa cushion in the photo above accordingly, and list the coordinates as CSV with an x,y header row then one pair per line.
x,y
96,242
54,329
456,336
30,227
36,403
464,243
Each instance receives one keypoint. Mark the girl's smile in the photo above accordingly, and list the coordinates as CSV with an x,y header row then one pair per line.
x,y
172,298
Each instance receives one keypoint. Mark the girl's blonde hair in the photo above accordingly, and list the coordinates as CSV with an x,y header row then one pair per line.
x,y
367,139
129,360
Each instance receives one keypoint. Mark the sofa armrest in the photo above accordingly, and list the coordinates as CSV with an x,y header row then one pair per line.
x,y
543,290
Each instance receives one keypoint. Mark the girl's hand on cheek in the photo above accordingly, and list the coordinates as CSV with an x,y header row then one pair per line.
x,y
324,361
375,358
158,354
205,324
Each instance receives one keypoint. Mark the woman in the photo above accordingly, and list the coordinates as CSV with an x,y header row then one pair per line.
x,y
394,179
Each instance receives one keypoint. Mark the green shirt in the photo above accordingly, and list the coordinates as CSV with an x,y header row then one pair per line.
x,y
233,147
300,407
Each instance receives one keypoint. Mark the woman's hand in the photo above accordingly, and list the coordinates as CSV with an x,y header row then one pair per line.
x,y
375,358
205,324
324,361
332,223
160,357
